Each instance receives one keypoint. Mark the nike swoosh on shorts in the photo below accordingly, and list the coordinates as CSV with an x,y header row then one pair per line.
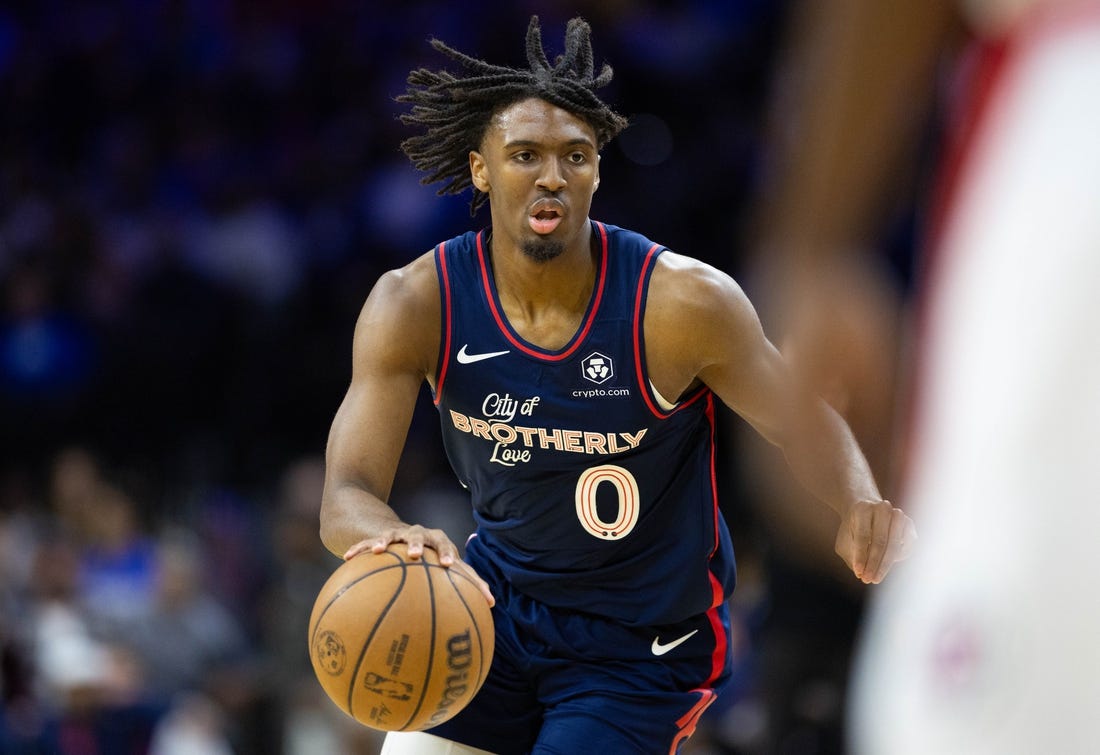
x,y
659,649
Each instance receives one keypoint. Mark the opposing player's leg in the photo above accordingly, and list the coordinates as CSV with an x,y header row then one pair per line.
x,y
420,743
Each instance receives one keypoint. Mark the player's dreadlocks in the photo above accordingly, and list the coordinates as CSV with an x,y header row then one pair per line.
x,y
456,111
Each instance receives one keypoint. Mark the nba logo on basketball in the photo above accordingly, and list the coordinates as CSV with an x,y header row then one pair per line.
x,y
597,368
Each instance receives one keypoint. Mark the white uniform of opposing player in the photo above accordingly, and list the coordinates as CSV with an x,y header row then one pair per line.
x,y
988,640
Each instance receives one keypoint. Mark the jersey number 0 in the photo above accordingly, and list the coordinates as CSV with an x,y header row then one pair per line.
x,y
626,490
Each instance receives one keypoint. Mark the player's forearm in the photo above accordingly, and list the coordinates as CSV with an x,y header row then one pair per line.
x,y
826,459
351,514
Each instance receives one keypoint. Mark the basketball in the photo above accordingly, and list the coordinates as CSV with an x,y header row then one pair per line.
x,y
400,645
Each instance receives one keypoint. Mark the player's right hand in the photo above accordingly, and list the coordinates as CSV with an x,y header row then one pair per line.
x,y
873,536
417,537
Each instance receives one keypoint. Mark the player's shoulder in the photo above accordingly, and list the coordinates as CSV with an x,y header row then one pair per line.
x,y
697,308
411,287
681,283
690,282
399,322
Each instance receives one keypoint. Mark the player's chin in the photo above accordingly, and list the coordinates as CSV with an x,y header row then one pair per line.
x,y
543,248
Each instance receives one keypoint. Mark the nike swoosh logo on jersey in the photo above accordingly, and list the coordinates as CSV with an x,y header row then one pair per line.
x,y
464,358
659,649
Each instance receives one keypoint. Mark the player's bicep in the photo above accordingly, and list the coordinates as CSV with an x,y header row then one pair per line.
x,y
368,432
394,349
745,370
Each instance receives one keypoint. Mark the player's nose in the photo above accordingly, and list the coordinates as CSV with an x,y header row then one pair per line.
x,y
551,177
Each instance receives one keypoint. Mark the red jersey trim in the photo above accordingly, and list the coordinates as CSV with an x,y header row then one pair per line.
x,y
687,723
639,346
718,658
713,422
445,316
506,329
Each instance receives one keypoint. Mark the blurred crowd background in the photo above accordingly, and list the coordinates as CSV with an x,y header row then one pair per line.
x,y
195,198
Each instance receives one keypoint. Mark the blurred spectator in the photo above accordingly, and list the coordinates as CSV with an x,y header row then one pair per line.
x,y
194,726
89,690
20,532
300,567
74,478
309,721
197,658
47,355
185,638
117,571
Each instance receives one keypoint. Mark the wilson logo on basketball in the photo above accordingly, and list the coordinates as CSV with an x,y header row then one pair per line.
x,y
459,658
330,652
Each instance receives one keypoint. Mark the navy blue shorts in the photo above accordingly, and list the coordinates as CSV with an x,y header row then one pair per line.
x,y
563,682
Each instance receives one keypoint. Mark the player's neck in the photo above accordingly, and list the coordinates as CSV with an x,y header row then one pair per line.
x,y
544,301
565,280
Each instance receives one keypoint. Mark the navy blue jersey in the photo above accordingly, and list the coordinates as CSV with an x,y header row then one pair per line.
x,y
588,494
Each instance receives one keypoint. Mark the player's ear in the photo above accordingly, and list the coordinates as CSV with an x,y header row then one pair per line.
x,y
596,182
478,172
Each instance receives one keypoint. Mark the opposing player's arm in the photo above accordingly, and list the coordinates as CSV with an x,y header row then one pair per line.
x,y
395,349
700,326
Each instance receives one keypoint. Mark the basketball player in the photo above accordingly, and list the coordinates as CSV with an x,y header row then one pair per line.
x,y
985,643
577,367
997,633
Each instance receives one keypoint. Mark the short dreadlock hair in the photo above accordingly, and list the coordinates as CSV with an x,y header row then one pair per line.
x,y
456,111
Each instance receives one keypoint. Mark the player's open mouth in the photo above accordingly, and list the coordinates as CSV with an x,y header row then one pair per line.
x,y
546,215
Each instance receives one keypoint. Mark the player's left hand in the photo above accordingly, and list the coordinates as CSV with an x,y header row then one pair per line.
x,y
873,536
